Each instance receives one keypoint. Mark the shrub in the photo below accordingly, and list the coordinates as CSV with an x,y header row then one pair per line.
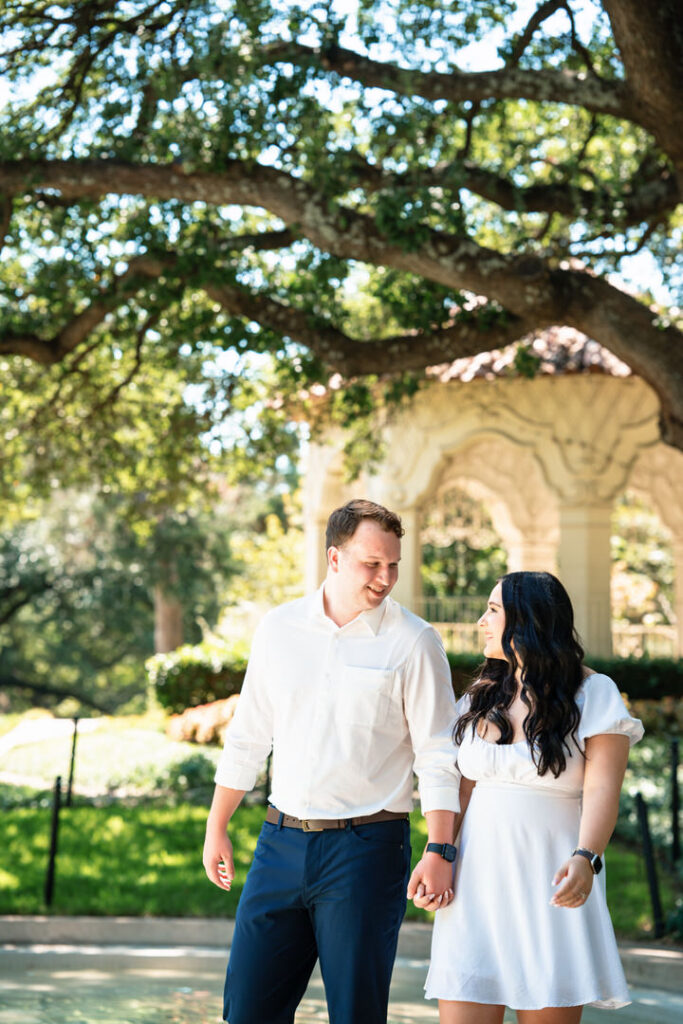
x,y
639,678
463,668
643,678
196,674
193,772
204,724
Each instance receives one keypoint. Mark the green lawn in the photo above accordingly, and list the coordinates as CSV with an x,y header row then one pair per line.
x,y
119,754
146,860
144,857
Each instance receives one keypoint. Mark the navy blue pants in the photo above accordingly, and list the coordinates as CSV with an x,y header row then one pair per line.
x,y
337,895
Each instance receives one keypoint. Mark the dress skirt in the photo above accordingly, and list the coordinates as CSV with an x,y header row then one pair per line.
x,y
500,941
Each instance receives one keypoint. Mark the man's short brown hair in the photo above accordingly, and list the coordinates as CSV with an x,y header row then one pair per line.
x,y
344,521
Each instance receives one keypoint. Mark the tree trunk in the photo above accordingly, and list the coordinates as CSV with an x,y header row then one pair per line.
x,y
168,621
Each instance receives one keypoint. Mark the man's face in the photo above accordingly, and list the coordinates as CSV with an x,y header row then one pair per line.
x,y
365,568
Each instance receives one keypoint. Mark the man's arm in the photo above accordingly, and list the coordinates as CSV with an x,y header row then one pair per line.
x,y
423,887
217,858
248,741
430,712
431,883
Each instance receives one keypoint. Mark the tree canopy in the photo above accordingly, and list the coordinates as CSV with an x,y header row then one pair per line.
x,y
356,189
76,593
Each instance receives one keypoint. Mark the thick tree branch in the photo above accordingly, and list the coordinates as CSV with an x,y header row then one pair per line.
x,y
473,331
650,40
519,283
547,85
73,334
353,357
645,198
77,330
58,692
527,286
633,333
11,605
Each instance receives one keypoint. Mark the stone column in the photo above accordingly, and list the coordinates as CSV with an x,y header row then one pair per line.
x,y
532,554
585,569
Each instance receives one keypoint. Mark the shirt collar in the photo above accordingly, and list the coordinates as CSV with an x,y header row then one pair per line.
x,y
371,619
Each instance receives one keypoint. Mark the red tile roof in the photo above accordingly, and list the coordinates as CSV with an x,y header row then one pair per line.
x,y
557,350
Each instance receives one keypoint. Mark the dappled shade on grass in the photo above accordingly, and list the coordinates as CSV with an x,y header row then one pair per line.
x,y
146,860
121,860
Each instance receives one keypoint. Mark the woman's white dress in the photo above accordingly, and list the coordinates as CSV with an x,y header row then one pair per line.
x,y
500,941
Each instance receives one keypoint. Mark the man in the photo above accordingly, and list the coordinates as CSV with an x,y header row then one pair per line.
x,y
352,692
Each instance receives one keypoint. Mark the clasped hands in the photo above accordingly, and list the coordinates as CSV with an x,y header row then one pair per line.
x,y
431,883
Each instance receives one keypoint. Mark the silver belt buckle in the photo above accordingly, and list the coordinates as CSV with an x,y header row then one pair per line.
x,y
307,827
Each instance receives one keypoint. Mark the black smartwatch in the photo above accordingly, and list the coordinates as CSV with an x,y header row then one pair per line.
x,y
445,850
592,858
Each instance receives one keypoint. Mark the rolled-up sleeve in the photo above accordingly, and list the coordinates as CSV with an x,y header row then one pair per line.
x,y
249,737
429,705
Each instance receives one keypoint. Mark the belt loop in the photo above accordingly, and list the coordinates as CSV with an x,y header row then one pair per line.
x,y
280,820
349,824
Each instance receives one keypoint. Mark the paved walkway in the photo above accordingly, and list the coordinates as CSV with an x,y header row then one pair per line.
x,y
152,971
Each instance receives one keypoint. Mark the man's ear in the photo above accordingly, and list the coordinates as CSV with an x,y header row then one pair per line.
x,y
333,558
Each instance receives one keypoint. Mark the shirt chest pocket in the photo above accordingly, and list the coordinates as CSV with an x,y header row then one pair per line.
x,y
365,696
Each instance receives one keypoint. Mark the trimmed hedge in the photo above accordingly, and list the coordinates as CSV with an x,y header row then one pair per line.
x,y
639,678
202,673
195,674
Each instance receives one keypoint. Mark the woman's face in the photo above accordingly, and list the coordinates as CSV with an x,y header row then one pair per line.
x,y
492,623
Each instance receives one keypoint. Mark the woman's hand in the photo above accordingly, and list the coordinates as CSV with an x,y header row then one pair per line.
x,y
575,880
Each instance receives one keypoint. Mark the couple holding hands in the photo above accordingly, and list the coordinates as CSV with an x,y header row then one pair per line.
x,y
519,784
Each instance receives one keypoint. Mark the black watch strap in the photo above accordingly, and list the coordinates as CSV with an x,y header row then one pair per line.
x,y
592,858
445,850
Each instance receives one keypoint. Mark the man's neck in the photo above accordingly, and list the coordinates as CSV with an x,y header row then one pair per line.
x,y
335,610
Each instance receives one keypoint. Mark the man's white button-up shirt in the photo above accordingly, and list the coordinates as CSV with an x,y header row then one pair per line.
x,y
349,712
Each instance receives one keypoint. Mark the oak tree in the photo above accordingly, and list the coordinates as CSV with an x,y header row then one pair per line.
x,y
353,189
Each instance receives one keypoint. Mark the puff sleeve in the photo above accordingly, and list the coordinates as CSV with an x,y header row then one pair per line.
x,y
603,710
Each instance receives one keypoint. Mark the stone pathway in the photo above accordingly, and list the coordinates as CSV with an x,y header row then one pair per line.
x,y
100,984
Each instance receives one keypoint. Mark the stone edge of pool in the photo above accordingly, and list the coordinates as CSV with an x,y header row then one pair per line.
x,y
646,966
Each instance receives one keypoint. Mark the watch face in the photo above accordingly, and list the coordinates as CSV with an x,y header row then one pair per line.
x,y
596,864
448,852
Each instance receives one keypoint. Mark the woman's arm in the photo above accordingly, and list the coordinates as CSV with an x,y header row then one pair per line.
x,y
606,760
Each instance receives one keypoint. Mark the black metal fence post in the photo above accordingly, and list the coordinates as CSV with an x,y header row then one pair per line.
x,y
54,833
72,764
650,867
675,832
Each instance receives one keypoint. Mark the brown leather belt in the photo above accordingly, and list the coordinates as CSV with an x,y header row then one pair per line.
x,y
320,824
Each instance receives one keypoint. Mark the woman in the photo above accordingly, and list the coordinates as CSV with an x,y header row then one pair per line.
x,y
545,740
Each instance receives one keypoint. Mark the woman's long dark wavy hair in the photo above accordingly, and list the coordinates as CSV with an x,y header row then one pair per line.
x,y
539,622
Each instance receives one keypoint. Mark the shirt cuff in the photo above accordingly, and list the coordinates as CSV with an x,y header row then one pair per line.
x,y
444,798
235,777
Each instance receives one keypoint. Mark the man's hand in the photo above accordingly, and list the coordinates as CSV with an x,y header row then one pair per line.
x,y
218,862
431,883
